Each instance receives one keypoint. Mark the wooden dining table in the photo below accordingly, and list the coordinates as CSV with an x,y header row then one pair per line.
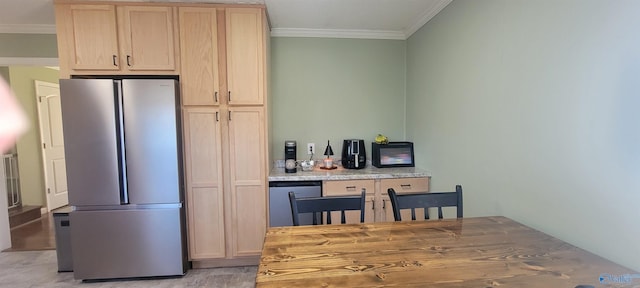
x,y
465,252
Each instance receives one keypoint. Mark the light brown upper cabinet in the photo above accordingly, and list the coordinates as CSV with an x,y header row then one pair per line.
x,y
112,39
147,41
245,56
90,36
199,56
240,46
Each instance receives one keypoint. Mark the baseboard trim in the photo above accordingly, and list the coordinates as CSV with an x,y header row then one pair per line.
x,y
215,263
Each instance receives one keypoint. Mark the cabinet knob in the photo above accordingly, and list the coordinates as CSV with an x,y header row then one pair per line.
x,y
115,58
215,97
129,60
405,186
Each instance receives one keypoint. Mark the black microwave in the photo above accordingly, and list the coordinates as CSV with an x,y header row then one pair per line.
x,y
393,154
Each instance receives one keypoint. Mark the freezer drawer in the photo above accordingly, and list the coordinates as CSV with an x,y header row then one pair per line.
x,y
127,243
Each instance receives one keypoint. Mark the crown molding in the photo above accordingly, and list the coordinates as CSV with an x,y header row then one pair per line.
x,y
27,29
29,61
424,18
337,33
363,34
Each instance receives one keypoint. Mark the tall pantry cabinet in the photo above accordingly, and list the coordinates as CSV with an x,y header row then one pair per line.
x,y
224,88
219,54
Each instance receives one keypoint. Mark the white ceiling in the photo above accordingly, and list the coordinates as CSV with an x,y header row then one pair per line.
x,y
373,19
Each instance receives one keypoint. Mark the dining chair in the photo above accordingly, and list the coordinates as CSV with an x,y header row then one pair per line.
x,y
425,200
318,205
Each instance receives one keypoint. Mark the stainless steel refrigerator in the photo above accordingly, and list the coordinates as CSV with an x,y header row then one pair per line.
x,y
123,163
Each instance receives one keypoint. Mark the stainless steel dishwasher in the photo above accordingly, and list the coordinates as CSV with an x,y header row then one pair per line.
x,y
279,206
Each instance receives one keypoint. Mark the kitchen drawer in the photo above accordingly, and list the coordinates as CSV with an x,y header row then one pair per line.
x,y
347,187
402,186
405,185
351,187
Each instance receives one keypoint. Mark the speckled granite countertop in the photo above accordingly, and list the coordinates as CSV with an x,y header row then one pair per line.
x,y
370,172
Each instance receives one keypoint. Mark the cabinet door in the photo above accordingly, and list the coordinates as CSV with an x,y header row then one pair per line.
x,y
402,185
205,205
387,208
245,56
147,37
199,56
354,216
88,37
247,163
351,187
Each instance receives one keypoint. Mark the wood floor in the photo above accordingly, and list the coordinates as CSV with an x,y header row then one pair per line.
x,y
36,235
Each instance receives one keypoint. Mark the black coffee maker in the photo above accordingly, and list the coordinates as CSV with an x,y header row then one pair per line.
x,y
290,156
354,155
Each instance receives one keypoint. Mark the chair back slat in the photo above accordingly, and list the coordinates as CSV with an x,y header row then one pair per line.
x,y
426,200
325,205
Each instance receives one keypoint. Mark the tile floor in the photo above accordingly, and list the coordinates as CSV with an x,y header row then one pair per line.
x,y
23,267
40,269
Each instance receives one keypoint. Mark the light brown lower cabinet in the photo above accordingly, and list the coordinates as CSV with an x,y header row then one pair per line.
x,y
347,188
378,206
204,183
400,185
225,167
247,180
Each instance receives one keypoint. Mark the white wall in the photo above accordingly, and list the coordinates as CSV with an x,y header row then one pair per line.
x,y
533,107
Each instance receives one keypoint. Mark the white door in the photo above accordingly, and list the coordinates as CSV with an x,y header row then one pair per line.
x,y
55,171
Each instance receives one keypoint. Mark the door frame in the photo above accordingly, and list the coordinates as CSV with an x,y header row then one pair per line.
x,y
43,152
5,232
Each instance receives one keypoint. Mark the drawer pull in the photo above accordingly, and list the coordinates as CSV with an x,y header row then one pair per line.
x,y
351,188
405,186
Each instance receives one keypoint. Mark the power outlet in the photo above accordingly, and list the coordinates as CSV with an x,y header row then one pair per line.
x,y
311,148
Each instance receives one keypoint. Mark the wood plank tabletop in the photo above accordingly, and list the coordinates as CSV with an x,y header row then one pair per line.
x,y
466,252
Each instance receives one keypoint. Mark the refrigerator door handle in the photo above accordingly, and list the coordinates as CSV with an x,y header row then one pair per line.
x,y
124,194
